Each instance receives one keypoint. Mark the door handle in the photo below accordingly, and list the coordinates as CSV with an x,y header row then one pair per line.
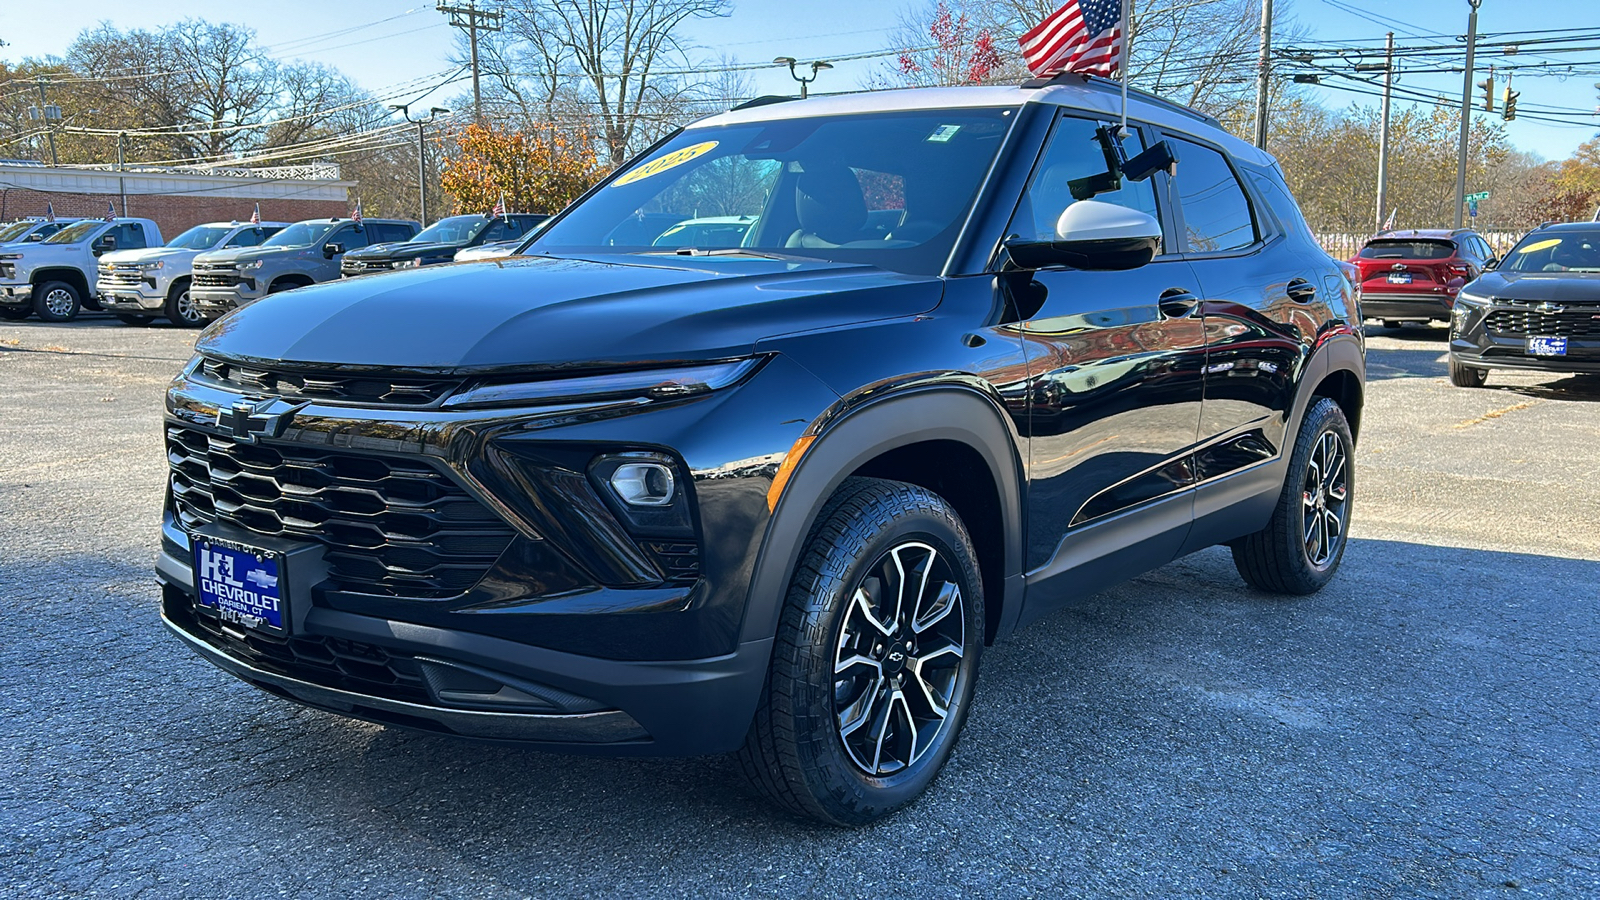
x,y
1178,303
1302,291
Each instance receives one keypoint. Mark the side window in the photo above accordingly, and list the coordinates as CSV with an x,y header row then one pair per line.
x,y
395,233
130,236
352,236
1283,206
499,230
1073,156
1216,213
249,237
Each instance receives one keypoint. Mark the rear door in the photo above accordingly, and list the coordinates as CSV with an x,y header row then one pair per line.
x,y
1114,385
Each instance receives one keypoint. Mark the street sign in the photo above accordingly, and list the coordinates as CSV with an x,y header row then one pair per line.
x,y
1474,198
1472,208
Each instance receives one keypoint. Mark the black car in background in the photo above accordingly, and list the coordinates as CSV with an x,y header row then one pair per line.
x,y
438,243
1538,309
971,358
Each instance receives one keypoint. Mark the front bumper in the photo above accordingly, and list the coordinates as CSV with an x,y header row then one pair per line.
x,y
1417,307
126,298
16,294
213,301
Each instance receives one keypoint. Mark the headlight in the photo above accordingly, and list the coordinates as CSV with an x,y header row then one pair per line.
x,y
151,265
407,263
6,256
251,266
653,384
1469,298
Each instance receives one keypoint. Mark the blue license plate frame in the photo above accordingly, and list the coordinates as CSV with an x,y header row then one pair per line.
x,y
245,586
1400,278
1547,346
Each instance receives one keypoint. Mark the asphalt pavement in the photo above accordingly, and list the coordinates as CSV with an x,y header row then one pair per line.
x,y
1427,726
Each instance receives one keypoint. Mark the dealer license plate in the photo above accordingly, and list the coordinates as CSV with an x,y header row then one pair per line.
x,y
243,584
1400,278
1547,346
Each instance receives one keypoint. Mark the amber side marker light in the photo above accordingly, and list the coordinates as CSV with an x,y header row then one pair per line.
x,y
786,469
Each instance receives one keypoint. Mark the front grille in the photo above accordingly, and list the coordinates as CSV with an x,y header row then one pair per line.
x,y
362,267
123,278
1576,320
335,388
331,662
391,526
223,278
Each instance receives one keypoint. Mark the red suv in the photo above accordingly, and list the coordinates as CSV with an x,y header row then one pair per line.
x,y
1414,276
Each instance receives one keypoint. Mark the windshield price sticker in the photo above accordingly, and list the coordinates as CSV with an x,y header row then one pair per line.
x,y
670,161
943,134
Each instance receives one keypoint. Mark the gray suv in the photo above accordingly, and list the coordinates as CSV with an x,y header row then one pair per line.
x,y
305,253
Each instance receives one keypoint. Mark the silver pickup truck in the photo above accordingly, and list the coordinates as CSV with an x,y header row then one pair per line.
x,y
139,285
305,253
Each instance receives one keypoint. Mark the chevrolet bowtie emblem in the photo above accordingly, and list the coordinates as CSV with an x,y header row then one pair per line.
x,y
1550,309
248,420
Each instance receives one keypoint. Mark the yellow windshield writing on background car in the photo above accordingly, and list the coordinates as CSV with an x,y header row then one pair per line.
x,y
671,160
1539,245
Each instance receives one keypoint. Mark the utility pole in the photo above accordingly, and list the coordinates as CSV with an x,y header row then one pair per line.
x,y
1383,135
1262,77
422,155
122,185
1466,109
46,113
473,20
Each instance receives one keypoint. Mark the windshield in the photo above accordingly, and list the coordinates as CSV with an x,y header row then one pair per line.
x,y
300,234
454,230
74,233
1413,249
1562,251
885,189
201,237
15,230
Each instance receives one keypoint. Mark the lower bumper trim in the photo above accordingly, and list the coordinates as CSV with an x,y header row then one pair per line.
x,y
605,727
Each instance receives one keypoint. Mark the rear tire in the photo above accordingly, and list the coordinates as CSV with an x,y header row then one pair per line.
x,y
1300,549
56,301
131,319
875,658
1467,376
1391,324
15,313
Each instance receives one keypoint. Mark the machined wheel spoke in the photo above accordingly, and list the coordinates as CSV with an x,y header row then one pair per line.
x,y
851,662
937,704
946,598
952,649
857,714
863,603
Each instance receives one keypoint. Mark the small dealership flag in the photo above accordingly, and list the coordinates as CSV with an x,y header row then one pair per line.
x,y
111,210
49,212
1388,224
255,217
499,209
356,217
1082,36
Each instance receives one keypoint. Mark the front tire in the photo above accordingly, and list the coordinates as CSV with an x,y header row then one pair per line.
x,y
180,309
875,660
1467,376
1300,549
56,301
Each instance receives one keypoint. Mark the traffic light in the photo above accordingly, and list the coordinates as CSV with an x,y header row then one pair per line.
x,y
1488,93
1511,103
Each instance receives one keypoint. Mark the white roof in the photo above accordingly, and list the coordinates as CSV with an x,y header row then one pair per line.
x,y
1092,99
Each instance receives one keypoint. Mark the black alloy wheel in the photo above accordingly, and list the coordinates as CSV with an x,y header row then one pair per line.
x,y
56,301
1300,549
875,660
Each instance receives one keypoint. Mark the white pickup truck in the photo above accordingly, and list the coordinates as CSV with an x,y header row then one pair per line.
x,y
54,278
139,285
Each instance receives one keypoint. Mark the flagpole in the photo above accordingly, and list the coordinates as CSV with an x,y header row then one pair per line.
x,y
1127,54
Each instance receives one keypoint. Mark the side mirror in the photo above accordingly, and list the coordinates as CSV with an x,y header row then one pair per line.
x,y
1092,235
1491,263
332,249
104,243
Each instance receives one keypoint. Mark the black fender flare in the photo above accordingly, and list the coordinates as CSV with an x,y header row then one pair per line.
x,y
1337,351
847,441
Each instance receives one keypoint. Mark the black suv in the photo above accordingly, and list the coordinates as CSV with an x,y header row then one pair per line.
x,y
1538,309
437,243
975,358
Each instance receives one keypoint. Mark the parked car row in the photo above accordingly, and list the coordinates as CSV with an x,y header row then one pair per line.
x,y
55,268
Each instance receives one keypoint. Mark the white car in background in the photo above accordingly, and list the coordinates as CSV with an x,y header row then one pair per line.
x,y
139,285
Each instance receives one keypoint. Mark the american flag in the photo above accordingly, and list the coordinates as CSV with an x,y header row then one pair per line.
x,y
499,209
111,211
356,216
49,212
1082,36
255,217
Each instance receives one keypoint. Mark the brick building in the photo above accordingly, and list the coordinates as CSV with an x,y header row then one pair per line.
x,y
176,198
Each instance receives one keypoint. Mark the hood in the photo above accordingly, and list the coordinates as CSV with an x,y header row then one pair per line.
x,y
404,250
145,254
246,254
532,313
1537,286
38,254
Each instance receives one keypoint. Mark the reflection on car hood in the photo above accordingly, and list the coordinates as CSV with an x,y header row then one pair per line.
x,y
404,249
530,313
246,254
1538,286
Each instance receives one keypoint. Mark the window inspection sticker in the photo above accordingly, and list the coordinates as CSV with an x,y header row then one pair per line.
x,y
943,134
661,164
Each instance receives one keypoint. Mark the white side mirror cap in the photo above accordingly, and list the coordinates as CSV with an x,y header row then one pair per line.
x,y
1095,220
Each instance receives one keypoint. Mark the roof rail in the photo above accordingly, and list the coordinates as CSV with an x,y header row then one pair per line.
x,y
1078,79
768,100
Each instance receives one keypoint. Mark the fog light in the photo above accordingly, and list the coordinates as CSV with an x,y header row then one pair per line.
x,y
644,484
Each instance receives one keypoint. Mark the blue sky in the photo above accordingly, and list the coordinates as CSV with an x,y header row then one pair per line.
x,y
416,42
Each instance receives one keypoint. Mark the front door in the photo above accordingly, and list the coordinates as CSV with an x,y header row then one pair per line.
x,y
1115,385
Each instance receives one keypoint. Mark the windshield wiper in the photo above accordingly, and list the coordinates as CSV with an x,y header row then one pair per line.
x,y
736,251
